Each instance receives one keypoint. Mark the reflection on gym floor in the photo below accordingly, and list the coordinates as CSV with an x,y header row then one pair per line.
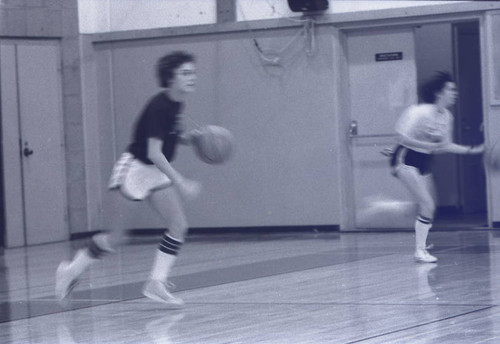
x,y
265,288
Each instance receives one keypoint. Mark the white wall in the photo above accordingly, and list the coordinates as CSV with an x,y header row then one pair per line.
x,y
118,15
284,171
254,10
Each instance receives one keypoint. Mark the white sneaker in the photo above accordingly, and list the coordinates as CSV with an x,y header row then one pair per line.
x,y
157,291
65,283
422,256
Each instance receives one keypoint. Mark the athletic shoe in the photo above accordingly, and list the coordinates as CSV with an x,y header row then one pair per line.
x,y
422,256
157,291
65,283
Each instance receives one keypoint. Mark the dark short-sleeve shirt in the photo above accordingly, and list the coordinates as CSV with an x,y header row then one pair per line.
x,y
159,119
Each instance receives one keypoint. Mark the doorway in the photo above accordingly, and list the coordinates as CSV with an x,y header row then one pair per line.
x,y
382,79
460,179
385,67
2,193
33,146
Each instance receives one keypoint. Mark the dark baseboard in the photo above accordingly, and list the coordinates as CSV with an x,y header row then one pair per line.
x,y
145,232
447,210
221,230
83,235
242,230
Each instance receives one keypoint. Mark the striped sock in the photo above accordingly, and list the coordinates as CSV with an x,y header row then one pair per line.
x,y
165,258
169,245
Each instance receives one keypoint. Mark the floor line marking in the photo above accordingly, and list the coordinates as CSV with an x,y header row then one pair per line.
x,y
419,325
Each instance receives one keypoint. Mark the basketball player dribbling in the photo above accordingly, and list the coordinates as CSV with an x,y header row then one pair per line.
x,y
156,135
424,130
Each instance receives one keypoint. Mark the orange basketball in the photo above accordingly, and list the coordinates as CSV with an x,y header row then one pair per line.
x,y
492,156
213,144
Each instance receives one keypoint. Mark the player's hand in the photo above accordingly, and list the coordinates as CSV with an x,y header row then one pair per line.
x,y
189,189
479,149
189,137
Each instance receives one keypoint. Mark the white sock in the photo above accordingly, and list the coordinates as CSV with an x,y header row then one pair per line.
x,y
422,227
162,265
81,262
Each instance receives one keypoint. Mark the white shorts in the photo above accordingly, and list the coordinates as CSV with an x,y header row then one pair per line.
x,y
136,180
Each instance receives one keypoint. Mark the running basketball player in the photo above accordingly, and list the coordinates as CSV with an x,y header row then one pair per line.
x,y
145,172
424,130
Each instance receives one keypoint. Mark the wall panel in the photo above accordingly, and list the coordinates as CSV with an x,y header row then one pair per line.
x,y
284,171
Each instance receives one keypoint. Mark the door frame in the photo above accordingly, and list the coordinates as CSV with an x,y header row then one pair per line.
x,y
459,127
347,220
13,179
3,227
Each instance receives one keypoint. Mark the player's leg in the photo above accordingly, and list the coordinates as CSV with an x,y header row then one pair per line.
x,y
97,247
168,204
422,189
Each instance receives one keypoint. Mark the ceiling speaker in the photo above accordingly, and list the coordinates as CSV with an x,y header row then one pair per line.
x,y
308,5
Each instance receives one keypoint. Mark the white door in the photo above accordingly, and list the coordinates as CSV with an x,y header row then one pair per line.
x,y
382,83
34,172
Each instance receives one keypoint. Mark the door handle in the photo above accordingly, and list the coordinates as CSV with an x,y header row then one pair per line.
x,y
353,128
27,151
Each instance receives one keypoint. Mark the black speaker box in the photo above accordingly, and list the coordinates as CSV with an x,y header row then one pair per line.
x,y
308,5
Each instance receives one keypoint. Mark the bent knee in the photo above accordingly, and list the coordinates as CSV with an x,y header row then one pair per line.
x,y
428,209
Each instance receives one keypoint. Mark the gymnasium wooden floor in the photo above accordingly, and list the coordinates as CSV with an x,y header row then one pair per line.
x,y
266,288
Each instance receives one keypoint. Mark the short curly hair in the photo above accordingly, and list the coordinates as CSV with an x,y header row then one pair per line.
x,y
169,63
434,85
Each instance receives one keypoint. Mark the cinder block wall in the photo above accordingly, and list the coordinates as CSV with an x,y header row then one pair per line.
x,y
57,19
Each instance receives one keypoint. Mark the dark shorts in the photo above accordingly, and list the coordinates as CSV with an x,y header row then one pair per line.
x,y
405,156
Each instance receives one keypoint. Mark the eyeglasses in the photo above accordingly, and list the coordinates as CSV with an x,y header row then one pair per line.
x,y
186,72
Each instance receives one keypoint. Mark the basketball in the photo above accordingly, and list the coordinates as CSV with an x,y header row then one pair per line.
x,y
492,156
213,144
